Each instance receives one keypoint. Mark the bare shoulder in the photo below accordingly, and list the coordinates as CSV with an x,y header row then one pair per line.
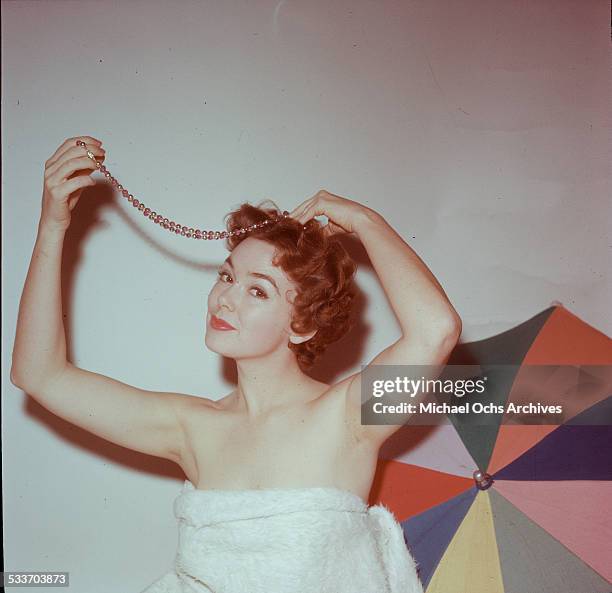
x,y
430,350
347,394
198,405
337,394
198,417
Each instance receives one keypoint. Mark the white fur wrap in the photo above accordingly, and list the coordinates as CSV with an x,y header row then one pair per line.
x,y
286,540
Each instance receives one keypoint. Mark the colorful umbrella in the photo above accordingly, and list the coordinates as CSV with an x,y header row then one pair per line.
x,y
514,508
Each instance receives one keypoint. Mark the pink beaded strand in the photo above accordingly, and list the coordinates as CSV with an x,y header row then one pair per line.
x,y
168,224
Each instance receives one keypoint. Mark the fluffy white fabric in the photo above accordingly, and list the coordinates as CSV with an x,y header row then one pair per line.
x,y
294,540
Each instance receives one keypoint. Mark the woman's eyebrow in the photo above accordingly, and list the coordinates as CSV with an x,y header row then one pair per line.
x,y
228,261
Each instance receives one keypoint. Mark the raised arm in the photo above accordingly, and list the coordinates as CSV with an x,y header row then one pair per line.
x,y
429,324
150,422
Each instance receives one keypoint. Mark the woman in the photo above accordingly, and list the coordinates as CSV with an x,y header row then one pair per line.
x,y
279,470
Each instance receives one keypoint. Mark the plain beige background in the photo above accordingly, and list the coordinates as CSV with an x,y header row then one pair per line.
x,y
479,129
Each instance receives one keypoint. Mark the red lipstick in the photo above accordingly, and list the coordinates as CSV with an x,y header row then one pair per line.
x,y
220,324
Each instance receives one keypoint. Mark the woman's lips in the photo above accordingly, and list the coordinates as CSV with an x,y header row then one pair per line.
x,y
219,324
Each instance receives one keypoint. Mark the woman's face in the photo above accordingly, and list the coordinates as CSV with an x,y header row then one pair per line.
x,y
257,307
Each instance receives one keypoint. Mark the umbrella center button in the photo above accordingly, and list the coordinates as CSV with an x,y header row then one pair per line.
x,y
482,479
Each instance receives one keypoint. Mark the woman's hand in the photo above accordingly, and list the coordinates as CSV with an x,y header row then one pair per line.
x,y
343,215
67,173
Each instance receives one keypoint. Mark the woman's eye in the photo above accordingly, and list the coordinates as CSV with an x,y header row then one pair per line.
x,y
259,293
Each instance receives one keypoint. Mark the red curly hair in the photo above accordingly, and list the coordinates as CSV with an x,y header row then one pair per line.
x,y
320,267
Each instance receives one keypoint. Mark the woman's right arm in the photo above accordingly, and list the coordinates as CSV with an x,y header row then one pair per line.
x,y
146,421
40,345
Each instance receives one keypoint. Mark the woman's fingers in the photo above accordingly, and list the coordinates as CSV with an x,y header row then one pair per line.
x,y
298,209
64,169
304,212
66,175
73,154
74,184
69,144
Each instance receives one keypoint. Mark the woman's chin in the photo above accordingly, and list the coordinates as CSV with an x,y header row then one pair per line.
x,y
212,342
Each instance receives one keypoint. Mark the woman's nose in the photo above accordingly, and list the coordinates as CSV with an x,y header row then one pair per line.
x,y
226,298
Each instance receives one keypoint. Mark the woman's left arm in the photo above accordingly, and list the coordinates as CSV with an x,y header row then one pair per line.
x,y
430,325
417,298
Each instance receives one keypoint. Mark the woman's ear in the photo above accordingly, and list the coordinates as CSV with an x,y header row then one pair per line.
x,y
298,339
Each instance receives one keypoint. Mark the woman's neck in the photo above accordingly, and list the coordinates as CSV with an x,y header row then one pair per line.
x,y
265,385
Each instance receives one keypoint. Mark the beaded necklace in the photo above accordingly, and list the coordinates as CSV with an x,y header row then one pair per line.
x,y
170,225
